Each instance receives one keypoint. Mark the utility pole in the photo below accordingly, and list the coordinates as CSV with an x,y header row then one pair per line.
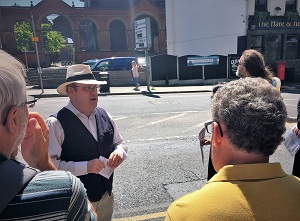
x,y
39,69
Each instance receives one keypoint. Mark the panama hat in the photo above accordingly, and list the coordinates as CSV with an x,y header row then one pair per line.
x,y
78,73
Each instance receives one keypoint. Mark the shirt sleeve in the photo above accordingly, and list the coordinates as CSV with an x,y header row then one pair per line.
x,y
118,141
79,208
54,149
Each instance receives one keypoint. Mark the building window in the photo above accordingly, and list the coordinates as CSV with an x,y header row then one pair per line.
x,y
117,36
292,46
261,5
290,5
257,42
87,30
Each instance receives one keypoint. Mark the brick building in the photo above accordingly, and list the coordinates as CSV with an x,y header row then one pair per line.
x,y
100,29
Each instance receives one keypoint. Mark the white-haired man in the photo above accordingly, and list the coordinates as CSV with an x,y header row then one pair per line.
x,y
27,194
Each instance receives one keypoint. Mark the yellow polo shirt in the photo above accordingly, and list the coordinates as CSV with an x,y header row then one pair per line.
x,y
242,192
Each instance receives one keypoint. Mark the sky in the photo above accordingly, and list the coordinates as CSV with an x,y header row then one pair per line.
x,y
27,2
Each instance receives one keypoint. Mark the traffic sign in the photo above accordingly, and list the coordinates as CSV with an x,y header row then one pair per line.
x,y
35,39
142,31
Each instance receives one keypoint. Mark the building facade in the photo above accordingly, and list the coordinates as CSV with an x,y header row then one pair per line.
x,y
217,27
100,29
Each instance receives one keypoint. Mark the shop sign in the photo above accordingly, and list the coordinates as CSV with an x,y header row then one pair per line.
x,y
277,24
202,60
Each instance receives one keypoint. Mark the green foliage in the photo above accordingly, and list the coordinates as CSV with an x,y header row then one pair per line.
x,y
23,35
261,16
291,16
52,40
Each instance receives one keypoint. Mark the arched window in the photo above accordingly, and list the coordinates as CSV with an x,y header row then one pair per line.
x,y
23,35
87,30
117,36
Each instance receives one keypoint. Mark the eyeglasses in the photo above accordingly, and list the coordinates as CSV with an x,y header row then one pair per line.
x,y
30,104
209,127
201,137
88,88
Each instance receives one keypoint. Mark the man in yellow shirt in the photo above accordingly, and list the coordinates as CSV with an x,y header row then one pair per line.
x,y
249,118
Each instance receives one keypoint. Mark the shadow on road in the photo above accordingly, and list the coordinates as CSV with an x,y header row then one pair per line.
x,y
150,94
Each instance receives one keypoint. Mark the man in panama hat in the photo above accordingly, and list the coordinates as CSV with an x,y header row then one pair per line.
x,y
85,140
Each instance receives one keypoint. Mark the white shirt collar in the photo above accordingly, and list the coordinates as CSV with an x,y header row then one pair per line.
x,y
71,107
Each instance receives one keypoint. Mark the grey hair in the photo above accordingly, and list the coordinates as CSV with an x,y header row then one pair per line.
x,y
12,82
253,113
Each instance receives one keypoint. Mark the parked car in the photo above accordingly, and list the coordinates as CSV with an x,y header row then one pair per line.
x,y
114,64
91,62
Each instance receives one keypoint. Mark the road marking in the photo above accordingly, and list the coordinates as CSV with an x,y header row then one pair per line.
x,y
177,112
143,217
159,121
120,118
166,138
165,119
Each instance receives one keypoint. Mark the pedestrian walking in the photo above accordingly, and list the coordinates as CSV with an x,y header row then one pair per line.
x,y
85,140
135,75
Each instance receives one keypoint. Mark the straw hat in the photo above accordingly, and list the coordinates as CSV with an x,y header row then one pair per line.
x,y
78,73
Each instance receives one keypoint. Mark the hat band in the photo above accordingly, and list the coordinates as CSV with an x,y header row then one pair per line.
x,y
81,77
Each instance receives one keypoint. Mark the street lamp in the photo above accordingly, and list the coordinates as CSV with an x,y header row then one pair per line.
x,y
35,39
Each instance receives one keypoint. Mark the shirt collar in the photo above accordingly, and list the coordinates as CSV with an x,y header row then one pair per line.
x,y
257,171
71,107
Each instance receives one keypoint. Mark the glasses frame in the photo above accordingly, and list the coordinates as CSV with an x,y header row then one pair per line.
x,y
91,88
30,104
201,135
209,123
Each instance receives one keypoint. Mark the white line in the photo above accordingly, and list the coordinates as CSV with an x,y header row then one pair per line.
x,y
159,121
166,138
177,112
164,113
165,119
120,118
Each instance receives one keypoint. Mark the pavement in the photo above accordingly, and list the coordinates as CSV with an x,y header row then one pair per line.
x,y
38,93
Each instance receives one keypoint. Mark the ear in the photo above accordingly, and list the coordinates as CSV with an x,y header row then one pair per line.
x,y
217,135
14,120
246,73
70,90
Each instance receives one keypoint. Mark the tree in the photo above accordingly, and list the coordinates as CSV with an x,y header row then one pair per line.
x,y
23,35
52,40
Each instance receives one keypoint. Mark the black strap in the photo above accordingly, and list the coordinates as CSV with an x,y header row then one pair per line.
x,y
14,176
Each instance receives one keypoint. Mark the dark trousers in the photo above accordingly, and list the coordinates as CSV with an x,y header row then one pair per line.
x,y
296,167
